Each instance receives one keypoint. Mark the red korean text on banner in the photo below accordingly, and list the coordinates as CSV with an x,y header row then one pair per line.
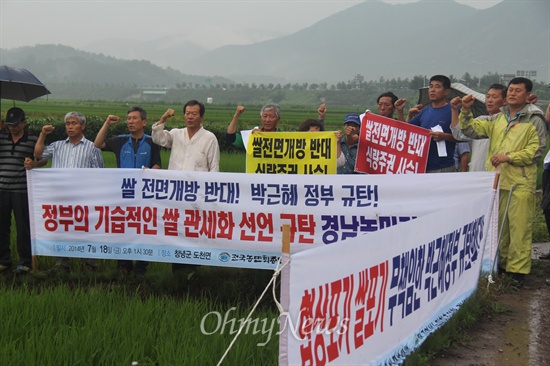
x,y
388,146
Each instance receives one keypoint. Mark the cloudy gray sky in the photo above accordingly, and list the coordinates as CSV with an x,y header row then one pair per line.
x,y
215,23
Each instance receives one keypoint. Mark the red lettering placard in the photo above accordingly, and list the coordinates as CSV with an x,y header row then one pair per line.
x,y
388,146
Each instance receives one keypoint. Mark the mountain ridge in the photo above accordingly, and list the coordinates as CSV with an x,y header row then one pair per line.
x,y
372,39
357,33
65,64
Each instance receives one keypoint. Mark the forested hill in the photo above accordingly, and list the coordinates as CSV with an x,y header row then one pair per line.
x,y
58,64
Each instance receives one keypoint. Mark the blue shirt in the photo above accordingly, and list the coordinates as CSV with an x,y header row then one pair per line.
x,y
428,118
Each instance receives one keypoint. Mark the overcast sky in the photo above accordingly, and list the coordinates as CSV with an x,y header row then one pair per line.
x,y
78,23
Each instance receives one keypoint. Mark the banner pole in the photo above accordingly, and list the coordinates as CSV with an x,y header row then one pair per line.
x,y
30,195
494,231
495,182
285,298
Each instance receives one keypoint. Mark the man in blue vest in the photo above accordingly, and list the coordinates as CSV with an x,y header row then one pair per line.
x,y
134,150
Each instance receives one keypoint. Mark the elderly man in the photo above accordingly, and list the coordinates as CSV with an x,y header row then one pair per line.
x,y
76,151
270,115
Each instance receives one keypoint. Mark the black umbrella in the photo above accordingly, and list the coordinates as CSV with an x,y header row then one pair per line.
x,y
20,84
459,90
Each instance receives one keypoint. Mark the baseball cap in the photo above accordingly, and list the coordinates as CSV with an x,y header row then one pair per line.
x,y
353,118
14,116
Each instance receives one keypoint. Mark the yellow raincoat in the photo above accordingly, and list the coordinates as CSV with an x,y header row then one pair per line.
x,y
523,139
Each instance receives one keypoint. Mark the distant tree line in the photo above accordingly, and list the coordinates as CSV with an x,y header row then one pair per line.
x,y
354,92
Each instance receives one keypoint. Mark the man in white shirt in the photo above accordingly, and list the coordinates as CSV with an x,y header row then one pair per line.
x,y
193,147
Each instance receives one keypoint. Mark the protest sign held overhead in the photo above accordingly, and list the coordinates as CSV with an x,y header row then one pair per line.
x,y
388,146
291,153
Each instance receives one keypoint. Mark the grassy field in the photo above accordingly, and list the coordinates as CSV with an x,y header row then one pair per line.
x,y
231,162
82,322
105,318
216,115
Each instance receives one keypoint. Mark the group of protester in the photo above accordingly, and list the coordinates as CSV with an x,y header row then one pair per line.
x,y
192,148
511,139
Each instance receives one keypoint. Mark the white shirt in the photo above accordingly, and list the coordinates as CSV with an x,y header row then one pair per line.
x,y
478,147
200,153
341,160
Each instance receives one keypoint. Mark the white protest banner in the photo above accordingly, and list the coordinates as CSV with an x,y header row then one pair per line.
x,y
373,299
222,219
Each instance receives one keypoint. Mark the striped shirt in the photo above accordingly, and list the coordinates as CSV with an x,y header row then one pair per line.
x,y
13,175
65,154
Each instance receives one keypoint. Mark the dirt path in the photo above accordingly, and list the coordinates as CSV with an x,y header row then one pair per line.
x,y
520,336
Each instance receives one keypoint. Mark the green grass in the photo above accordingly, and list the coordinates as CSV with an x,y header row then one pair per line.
x,y
215,115
93,325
